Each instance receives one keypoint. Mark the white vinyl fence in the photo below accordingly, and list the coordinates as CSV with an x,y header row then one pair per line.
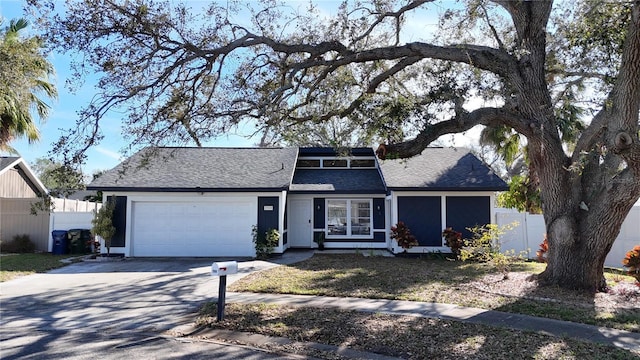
x,y
66,205
70,214
527,236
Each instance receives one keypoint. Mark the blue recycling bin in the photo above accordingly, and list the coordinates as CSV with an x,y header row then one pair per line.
x,y
60,242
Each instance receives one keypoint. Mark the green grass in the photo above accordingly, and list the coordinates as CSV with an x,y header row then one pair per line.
x,y
16,265
440,281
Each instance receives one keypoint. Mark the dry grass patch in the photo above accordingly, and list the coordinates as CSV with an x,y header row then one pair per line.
x,y
401,336
443,281
16,265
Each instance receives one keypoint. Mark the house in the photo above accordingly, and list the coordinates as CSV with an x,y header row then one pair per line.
x,y
19,189
205,201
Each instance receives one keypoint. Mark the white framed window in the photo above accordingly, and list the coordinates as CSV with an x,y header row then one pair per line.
x,y
336,163
349,218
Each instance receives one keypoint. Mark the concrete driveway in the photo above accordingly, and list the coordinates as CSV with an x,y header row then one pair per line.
x,y
125,300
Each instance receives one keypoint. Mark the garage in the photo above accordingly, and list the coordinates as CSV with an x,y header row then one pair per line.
x,y
219,227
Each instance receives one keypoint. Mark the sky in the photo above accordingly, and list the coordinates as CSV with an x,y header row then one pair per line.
x,y
107,154
63,114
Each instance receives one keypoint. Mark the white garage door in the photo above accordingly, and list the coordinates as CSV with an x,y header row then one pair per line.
x,y
208,229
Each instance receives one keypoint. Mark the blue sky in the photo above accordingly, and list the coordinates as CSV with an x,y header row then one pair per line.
x,y
64,110
107,154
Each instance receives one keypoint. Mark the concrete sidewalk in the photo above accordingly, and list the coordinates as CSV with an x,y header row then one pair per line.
x,y
620,338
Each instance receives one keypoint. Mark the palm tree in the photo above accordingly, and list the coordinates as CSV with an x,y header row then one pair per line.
x,y
24,77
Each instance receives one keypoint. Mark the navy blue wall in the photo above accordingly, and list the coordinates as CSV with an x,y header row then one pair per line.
x,y
267,219
378,213
468,211
119,221
318,213
423,216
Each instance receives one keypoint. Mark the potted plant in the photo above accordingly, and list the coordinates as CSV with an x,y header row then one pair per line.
x,y
319,239
102,223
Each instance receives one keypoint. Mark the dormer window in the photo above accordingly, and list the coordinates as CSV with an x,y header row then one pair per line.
x,y
308,163
335,163
363,163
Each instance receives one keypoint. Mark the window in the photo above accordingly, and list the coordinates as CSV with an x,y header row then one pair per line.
x,y
306,163
360,217
348,218
337,217
334,163
363,163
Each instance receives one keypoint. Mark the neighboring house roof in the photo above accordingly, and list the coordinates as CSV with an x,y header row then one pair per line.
x,y
11,162
80,194
202,169
338,181
6,162
441,169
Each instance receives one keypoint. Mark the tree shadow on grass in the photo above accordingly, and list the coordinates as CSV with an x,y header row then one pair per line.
x,y
600,309
407,337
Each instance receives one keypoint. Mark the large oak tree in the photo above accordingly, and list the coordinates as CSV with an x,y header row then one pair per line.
x,y
186,75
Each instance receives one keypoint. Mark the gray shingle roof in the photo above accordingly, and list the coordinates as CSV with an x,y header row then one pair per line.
x,y
6,161
338,181
244,169
441,169
201,169
25,172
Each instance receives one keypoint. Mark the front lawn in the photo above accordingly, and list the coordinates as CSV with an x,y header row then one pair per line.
x,y
16,265
406,337
453,282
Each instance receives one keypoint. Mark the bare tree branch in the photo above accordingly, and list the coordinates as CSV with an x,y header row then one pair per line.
x,y
462,121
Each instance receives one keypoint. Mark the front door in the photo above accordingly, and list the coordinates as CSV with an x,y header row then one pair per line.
x,y
300,230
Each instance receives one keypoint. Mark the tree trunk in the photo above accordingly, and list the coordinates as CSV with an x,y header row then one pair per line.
x,y
583,210
574,260
587,197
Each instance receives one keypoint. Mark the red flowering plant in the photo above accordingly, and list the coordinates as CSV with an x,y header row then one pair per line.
x,y
403,236
453,239
632,261
544,249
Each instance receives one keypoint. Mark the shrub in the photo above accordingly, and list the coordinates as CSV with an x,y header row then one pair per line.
x,y
632,262
21,244
453,239
265,243
541,254
403,236
484,246
103,223
481,246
